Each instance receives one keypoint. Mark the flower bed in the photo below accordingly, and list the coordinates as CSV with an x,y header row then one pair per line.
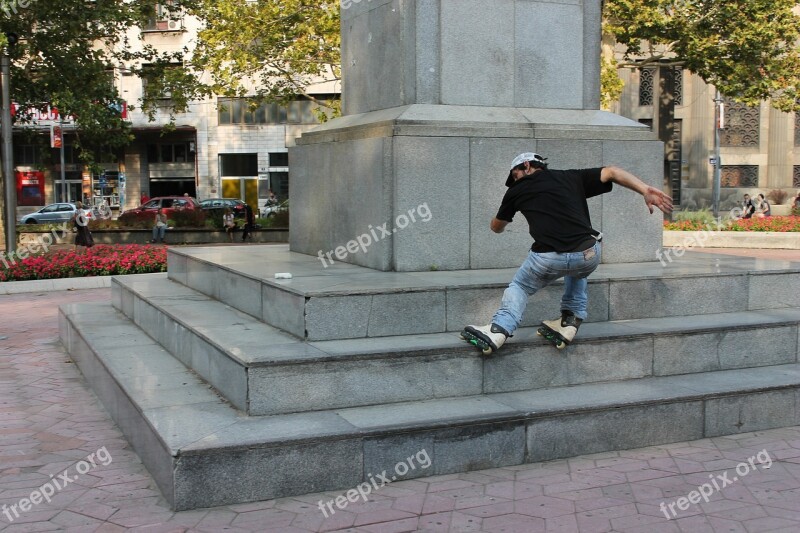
x,y
100,260
772,224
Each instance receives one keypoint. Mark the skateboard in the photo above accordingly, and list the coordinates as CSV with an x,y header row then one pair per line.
x,y
474,340
552,336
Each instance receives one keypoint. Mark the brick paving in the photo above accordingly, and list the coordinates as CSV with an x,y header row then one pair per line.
x,y
50,422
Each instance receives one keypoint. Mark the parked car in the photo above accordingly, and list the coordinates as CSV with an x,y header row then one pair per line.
x,y
235,205
59,212
169,204
268,211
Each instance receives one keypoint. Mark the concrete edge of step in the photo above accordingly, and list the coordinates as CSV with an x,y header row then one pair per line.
x,y
502,414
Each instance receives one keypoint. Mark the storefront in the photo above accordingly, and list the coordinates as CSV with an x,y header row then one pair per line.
x,y
30,187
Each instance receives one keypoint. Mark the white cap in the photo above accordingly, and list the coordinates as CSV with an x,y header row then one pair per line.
x,y
527,156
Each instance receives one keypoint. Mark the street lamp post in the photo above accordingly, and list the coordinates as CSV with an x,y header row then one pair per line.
x,y
719,117
8,163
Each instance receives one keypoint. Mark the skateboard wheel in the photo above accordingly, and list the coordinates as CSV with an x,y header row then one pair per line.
x,y
486,351
560,345
463,338
539,332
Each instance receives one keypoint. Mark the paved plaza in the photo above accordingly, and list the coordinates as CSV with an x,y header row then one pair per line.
x,y
53,428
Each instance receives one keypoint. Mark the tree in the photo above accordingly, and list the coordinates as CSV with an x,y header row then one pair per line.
x,y
270,50
65,57
748,49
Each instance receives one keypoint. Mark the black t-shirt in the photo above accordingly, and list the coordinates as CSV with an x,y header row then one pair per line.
x,y
554,204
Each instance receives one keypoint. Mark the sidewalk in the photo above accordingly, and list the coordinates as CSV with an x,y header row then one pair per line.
x,y
50,421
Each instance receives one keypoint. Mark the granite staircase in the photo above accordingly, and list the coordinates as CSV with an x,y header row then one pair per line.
x,y
234,386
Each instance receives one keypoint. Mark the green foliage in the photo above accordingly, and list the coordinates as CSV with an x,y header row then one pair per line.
x,y
278,220
276,46
610,83
703,216
746,48
64,57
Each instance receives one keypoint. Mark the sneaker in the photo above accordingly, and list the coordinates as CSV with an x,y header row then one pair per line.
x,y
489,337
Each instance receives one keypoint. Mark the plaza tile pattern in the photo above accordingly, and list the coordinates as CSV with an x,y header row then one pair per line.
x,y
50,422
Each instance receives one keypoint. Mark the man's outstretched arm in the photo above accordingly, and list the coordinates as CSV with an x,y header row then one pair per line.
x,y
653,197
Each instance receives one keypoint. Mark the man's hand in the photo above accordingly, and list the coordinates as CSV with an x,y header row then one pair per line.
x,y
498,225
658,198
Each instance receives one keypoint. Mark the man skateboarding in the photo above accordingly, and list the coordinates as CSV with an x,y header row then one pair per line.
x,y
565,244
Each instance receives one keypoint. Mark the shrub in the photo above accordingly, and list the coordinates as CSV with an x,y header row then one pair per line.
x,y
188,218
131,219
777,196
100,260
703,216
278,220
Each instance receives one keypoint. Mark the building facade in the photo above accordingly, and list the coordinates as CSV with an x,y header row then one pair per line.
x,y
221,147
760,146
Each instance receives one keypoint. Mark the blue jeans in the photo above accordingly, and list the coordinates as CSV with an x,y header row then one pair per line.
x,y
540,270
158,233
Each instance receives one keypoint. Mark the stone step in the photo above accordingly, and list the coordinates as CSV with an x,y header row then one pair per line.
x,y
264,371
346,301
203,452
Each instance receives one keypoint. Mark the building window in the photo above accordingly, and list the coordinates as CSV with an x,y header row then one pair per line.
x,y
165,17
242,111
169,153
279,181
741,125
233,165
796,176
27,154
739,176
279,159
647,79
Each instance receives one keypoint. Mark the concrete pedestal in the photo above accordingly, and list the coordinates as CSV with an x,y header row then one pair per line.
x,y
418,184
439,97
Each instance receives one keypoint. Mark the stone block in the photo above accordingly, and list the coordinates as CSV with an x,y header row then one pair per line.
x,y
341,384
773,291
475,46
266,473
240,292
384,453
424,178
177,267
283,309
736,348
202,277
750,412
695,295
618,429
631,233
478,447
407,313
337,317
555,47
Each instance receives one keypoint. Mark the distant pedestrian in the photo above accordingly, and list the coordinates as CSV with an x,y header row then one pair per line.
x,y
249,222
748,208
763,209
83,237
160,227
229,223
144,198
